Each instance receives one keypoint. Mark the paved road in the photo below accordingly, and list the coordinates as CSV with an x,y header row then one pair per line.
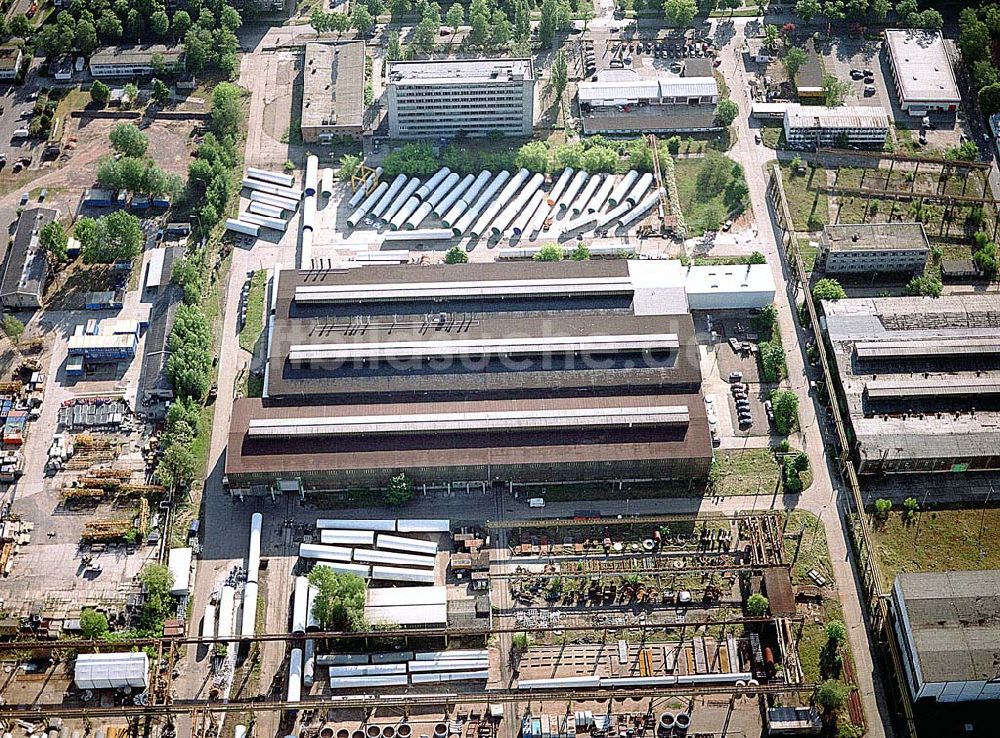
x,y
822,498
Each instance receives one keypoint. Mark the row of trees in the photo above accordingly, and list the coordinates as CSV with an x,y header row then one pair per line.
x,y
979,32
132,170
834,11
207,29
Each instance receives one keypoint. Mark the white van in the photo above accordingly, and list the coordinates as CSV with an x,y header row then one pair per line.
x,y
20,133
536,502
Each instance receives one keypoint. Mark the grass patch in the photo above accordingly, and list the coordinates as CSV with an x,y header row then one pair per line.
x,y
812,638
750,472
804,541
254,322
773,137
74,99
810,208
938,540
701,213
808,253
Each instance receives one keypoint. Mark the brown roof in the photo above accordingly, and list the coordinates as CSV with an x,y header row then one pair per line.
x,y
469,449
780,597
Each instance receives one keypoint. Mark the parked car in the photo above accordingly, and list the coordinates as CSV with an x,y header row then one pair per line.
x,y
24,199
735,377
857,74
769,409
869,90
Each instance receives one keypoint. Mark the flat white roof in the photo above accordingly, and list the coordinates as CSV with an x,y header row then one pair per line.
x,y
111,670
179,563
483,421
399,596
647,89
923,67
478,347
844,116
154,268
732,279
408,614
459,71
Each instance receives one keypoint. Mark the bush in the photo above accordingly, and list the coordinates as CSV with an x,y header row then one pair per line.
x,y
93,624
549,252
800,461
456,255
580,253
757,606
339,603
828,289
831,696
923,286
772,361
100,93
910,508
12,328
883,507
836,631
785,404
399,490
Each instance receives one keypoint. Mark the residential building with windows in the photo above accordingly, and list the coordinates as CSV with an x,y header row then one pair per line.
x,y
864,248
27,263
813,126
947,625
619,101
333,97
10,61
135,61
452,97
922,70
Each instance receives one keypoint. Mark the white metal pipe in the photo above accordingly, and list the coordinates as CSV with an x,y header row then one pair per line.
x,y
430,185
410,545
459,676
312,623
275,224
255,185
279,178
268,211
398,574
295,676
309,213
578,223
338,567
622,188
305,261
423,525
300,602
341,659
279,202
392,558
600,198
241,226
388,195
446,188
586,194
377,194
424,234
560,186
365,187
636,193
458,653
369,681
452,197
575,185
450,217
367,670
347,537
404,196
538,219
381,524
248,624
491,211
517,205
448,665
240,731
613,214
473,209
312,174
326,182
309,663
226,612
403,213
418,216
208,622
324,553
641,209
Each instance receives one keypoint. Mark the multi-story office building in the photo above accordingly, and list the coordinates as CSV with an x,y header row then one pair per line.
x,y
450,97
813,126
863,248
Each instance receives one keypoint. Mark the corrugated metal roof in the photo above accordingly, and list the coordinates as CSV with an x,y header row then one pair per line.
x,y
929,347
937,387
647,89
844,116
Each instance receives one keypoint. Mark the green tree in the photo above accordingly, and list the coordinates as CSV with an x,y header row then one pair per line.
x,y
455,16
350,164
399,9
548,23
183,410
109,26
580,253
393,49
836,631
880,9
53,239
906,10
771,37
340,22
456,255
929,18
794,59
772,361
984,73
227,108
86,37
533,156
966,151
128,140
339,603
86,232
130,93
21,26
834,91
522,21
180,24
989,99
178,465
424,36
502,30
807,9
93,624
560,75
831,696
828,289
758,258
680,12
159,23
549,252
100,93
320,20
12,328
118,238
714,173
726,112
785,405
157,580
161,91
757,606
361,20
399,490
910,508
924,286
229,18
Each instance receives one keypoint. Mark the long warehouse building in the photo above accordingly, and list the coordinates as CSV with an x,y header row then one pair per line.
x,y
504,373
